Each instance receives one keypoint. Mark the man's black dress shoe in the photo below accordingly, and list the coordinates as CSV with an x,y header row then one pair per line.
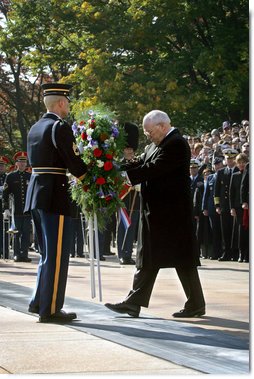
x,y
131,309
109,253
26,259
189,313
59,317
127,261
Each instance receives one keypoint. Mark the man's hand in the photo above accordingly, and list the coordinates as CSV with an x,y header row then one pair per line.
x,y
6,214
218,210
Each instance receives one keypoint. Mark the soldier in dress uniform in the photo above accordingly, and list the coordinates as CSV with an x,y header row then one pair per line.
x,y
221,201
16,184
126,237
4,161
51,151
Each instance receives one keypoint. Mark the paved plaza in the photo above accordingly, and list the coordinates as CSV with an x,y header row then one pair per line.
x,y
103,342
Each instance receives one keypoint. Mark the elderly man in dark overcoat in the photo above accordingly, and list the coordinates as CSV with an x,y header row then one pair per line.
x,y
166,235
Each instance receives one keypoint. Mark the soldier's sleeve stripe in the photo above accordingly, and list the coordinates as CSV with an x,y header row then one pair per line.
x,y
58,263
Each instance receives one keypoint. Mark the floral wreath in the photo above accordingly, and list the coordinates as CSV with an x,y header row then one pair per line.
x,y
101,143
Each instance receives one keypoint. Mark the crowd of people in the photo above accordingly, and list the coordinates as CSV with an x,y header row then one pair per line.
x,y
219,170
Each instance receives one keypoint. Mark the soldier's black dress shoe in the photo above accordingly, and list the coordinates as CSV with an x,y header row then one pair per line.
x,y
223,259
127,261
59,317
16,258
189,313
131,309
33,309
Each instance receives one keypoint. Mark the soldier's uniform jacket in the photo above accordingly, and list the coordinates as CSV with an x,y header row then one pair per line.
x,y
16,183
208,197
53,151
221,190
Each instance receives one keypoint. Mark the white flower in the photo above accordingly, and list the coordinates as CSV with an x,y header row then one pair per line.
x,y
89,131
81,147
99,163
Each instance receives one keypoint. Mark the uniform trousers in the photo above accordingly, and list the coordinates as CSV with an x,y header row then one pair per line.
x,y
125,238
144,280
53,232
227,230
22,238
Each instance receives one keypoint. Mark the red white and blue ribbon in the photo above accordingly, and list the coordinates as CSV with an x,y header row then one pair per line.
x,y
125,218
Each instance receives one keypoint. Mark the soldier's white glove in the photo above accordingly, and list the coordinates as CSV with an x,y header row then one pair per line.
x,y
6,214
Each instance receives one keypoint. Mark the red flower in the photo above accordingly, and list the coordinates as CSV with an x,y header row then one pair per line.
x,y
108,166
109,156
85,188
108,197
97,152
82,122
100,180
83,136
92,124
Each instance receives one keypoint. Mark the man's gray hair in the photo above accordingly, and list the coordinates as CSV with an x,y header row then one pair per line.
x,y
157,117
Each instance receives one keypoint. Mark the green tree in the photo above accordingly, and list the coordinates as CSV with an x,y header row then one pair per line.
x,y
189,58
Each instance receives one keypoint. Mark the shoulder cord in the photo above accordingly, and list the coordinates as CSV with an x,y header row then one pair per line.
x,y
53,132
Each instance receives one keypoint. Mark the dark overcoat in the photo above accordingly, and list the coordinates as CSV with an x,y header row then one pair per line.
x,y
166,231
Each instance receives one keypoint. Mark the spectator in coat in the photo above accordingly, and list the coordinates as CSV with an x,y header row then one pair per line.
x,y
236,210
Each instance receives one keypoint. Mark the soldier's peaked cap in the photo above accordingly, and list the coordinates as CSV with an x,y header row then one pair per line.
x,y
230,153
20,156
132,135
59,89
4,160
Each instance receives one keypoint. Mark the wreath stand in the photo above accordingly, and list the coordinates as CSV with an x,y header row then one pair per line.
x,y
93,250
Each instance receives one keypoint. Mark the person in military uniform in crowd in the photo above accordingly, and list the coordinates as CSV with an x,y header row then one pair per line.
x,y
3,164
209,210
106,237
51,151
203,224
126,237
16,184
241,234
76,236
221,201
